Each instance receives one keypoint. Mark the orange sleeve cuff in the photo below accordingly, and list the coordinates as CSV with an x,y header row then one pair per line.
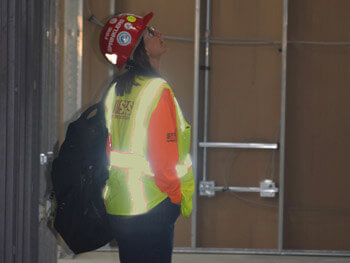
x,y
175,198
167,182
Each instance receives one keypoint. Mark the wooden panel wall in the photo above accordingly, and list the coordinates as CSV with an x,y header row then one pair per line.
x,y
95,68
318,127
245,106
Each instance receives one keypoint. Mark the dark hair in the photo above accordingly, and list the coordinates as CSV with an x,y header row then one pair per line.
x,y
138,66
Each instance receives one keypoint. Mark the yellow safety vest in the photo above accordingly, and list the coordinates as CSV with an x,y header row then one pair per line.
x,y
131,188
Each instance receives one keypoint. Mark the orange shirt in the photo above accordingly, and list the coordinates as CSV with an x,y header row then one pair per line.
x,y
162,147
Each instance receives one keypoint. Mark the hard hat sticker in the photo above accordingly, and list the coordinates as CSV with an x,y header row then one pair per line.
x,y
113,21
128,26
124,38
131,18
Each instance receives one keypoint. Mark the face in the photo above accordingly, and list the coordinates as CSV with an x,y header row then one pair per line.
x,y
154,43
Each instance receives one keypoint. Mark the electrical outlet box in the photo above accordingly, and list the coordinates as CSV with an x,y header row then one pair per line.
x,y
207,188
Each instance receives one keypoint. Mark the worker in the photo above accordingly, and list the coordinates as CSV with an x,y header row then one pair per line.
x,y
150,173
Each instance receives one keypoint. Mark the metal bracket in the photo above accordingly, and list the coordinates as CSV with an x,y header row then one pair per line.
x,y
45,157
44,210
267,189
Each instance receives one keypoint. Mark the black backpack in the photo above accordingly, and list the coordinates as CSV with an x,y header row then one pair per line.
x,y
78,175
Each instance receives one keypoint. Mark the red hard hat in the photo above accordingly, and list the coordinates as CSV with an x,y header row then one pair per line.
x,y
120,35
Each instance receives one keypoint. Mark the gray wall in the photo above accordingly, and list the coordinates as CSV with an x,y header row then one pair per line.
x,y
20,43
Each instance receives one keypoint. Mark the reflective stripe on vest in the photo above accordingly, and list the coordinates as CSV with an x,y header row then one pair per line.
x,y
181,117
109,107
139,137
125,160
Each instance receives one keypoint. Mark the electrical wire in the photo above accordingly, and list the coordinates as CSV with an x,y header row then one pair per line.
x,y
91,18
270,167
234,155
270,170
88,7
319,209
252,202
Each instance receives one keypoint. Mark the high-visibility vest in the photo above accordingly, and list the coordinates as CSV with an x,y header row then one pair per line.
x,y
131,188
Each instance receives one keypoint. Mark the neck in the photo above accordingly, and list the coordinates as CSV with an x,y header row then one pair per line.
x,y
155,63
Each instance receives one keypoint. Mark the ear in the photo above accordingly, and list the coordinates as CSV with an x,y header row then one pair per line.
x,y
147,50
146,47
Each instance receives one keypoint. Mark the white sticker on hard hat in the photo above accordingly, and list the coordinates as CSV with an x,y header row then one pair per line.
x,y
128,26
112,58
124,38
113,21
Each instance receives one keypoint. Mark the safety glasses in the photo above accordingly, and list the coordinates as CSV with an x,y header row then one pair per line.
x,y
151,31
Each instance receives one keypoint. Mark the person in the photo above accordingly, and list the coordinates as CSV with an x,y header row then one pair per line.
x,y
150,173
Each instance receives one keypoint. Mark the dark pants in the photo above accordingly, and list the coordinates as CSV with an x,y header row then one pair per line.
x,y
148,237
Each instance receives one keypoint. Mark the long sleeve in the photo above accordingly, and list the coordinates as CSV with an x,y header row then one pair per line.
x,y
162,146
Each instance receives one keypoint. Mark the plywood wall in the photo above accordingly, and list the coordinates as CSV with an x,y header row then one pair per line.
x,y
318,127
95,68
244,105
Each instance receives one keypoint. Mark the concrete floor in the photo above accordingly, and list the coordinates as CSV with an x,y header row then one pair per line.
x,y
112,257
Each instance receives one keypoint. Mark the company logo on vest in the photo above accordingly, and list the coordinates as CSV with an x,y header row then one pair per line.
x,y
123,109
